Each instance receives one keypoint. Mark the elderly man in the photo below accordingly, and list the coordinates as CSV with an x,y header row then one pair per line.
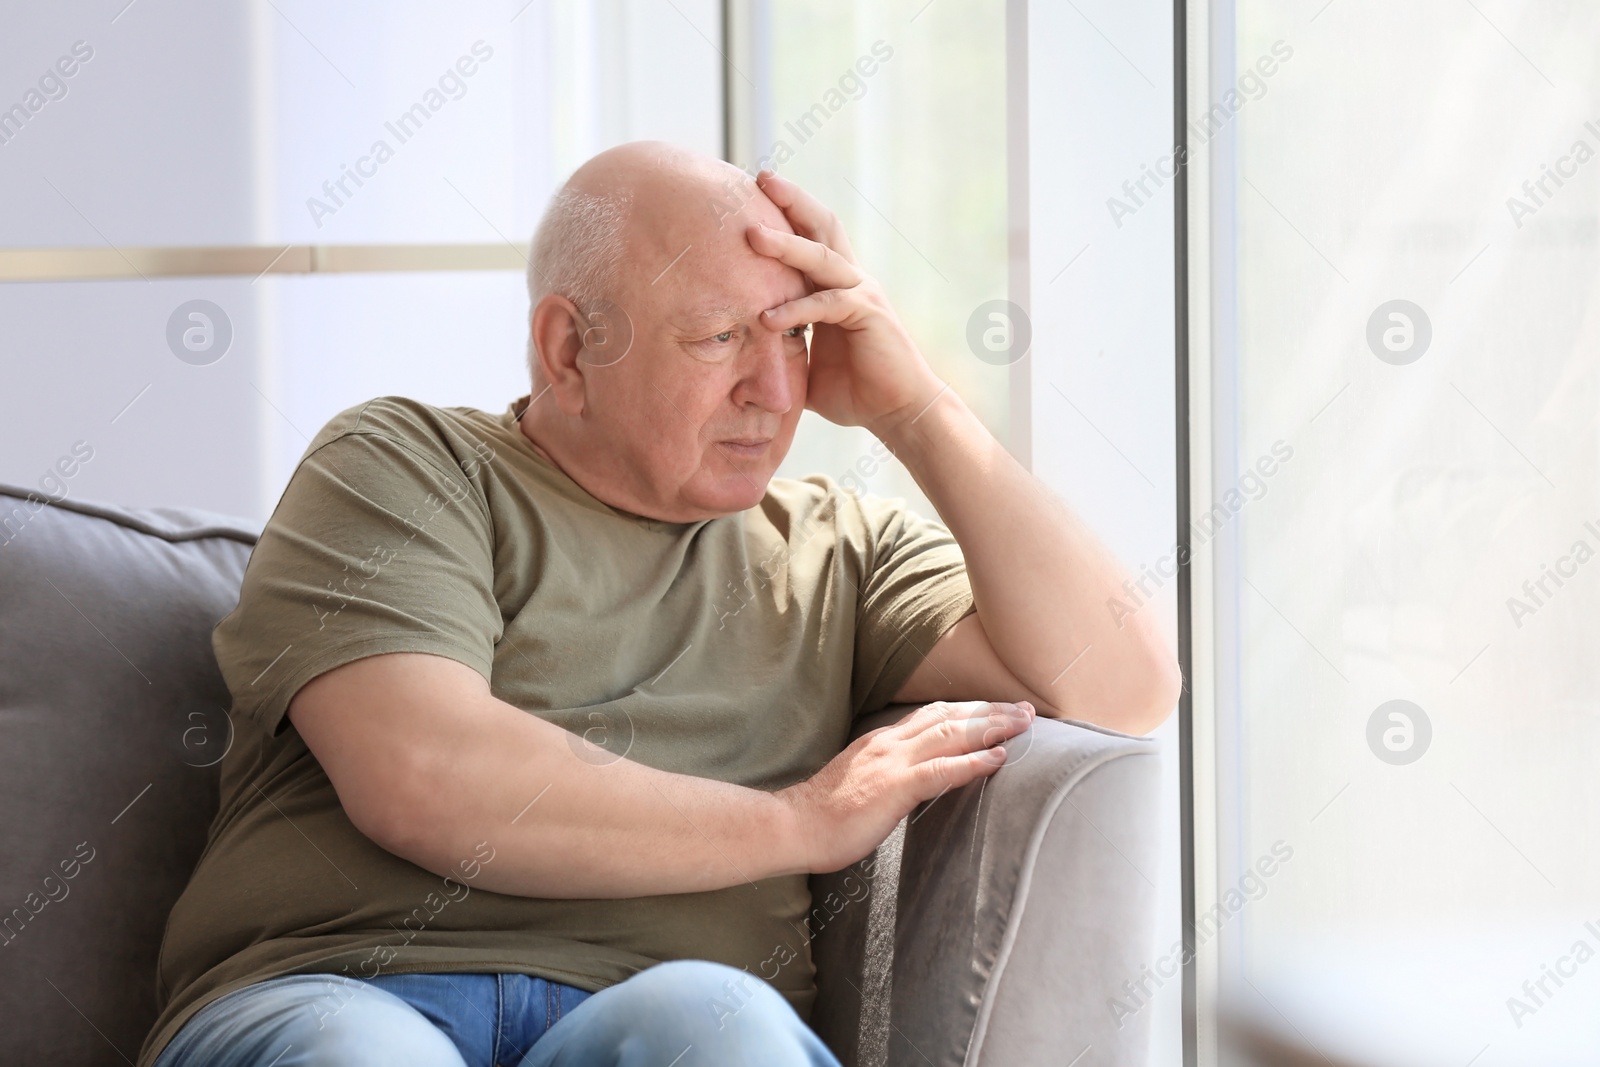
x,y
541,716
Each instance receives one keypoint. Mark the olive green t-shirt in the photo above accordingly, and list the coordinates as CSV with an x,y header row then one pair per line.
x,y
739,649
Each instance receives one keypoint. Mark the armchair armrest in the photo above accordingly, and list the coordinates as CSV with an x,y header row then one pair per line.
x,y
996,923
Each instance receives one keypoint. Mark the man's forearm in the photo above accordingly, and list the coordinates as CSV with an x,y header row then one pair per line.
x,y
1040,578
431,766
592,825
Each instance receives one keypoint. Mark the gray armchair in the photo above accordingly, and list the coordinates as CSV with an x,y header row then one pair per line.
x,y
991,929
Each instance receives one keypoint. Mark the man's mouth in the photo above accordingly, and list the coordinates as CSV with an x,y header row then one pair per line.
x,y
748,447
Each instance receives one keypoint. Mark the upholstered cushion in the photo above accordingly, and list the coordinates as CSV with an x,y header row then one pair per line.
x,y
112,720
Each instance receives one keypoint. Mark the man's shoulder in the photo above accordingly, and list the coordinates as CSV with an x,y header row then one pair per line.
x,y
805,495
448,436
818,498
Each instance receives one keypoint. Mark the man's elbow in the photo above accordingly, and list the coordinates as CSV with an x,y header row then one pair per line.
x,y
397,810
1138,693
1157,694
1133,699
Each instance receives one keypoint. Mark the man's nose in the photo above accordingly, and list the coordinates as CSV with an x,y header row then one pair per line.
x,y
765,381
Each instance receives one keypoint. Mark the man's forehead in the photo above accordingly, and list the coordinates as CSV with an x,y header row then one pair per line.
x,y
699,264
724,301
691,223
721,275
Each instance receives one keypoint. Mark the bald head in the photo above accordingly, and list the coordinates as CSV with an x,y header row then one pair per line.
x,y
625,206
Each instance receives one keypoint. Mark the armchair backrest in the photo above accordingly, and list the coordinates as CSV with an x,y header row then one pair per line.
x,y
113,721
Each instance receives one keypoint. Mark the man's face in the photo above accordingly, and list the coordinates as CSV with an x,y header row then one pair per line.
x,y
703,407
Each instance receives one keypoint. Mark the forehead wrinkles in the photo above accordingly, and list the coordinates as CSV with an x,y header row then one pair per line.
x,y
702,210
693,270
708,296
701,315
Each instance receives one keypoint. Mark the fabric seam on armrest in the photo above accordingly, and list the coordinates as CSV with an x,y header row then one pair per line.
x,y
1019,903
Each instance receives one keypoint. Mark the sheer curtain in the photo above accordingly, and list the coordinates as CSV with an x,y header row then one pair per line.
x,y
1406,344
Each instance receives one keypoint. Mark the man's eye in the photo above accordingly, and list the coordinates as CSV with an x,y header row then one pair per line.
x,y
724,337
797,331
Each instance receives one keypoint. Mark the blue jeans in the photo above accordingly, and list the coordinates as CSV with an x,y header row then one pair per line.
x,y
725,1015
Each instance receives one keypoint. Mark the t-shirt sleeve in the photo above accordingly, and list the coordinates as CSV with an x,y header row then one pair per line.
x,y
375,547
915,588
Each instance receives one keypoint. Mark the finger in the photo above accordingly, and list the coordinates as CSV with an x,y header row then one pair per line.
x,y
834,306
939,776
966,733
826,268
805,213
937,711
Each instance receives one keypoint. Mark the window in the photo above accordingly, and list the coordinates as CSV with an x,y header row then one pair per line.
x,y
422,142
1402,266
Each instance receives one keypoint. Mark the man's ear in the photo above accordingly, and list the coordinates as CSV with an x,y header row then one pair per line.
x,y
558,344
